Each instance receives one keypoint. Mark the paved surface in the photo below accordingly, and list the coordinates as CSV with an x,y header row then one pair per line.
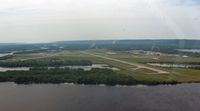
x,y
128,63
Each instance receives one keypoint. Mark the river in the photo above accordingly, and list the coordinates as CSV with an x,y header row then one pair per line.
x,y
174,65
190,50
66,97
5,54
85,68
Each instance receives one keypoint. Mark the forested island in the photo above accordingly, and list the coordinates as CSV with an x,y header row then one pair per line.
x,y
77,76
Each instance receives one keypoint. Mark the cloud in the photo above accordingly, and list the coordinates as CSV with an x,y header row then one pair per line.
x,y
183,2
51,20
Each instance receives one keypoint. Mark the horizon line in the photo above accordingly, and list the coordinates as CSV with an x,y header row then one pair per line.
x,y
11,43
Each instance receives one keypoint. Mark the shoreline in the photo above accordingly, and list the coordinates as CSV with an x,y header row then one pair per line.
x,y
102,85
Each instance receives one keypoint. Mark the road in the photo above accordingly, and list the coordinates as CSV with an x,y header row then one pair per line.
x,y
139,66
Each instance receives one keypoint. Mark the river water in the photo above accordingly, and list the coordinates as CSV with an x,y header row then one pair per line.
x,y
190,50
5,54
85,68
66,97
173,65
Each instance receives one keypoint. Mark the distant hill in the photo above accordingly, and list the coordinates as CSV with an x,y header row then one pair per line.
x,y
178,43
166,46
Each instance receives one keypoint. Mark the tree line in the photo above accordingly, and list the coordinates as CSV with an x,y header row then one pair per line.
x,y
78,76
44,63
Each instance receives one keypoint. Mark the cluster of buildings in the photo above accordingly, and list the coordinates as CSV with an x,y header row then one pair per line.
x,y
148,53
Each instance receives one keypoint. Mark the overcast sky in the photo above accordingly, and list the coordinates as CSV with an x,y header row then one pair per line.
x,y
55,20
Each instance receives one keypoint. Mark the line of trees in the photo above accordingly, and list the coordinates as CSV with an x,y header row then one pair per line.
x,y
44,63
78,76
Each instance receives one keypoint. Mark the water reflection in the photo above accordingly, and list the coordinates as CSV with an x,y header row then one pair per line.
x,y
64,97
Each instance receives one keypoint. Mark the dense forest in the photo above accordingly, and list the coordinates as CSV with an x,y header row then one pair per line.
x,y
78,76
45,63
